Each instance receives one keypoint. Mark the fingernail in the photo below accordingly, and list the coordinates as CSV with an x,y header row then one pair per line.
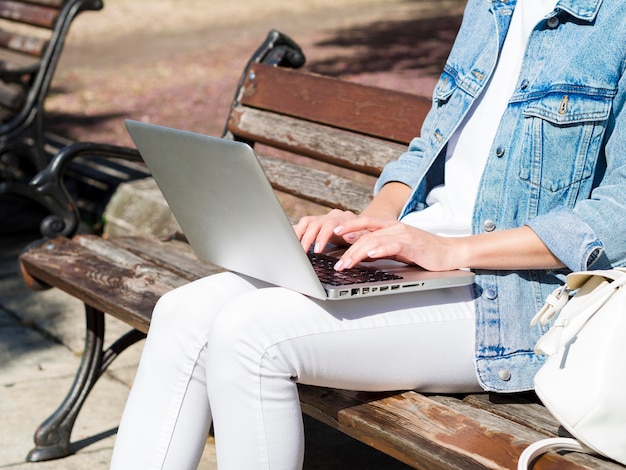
x,y
343,264
371,253
316,247
338,229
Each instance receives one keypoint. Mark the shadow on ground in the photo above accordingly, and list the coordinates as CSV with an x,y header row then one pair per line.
x,y
64,123
414,44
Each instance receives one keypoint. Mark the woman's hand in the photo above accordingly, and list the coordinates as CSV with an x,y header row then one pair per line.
x,y
390,239
317,231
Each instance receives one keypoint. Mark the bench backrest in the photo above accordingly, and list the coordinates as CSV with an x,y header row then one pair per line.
x,y
32,33
320,139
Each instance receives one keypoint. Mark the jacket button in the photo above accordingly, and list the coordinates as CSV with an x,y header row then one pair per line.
x,y
524,84
500,152
489,225
504,375
553,22
491,294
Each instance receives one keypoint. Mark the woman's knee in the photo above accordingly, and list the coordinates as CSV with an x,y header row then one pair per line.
x,y
191,308
253,322
236,322
241,335
258,313
173,307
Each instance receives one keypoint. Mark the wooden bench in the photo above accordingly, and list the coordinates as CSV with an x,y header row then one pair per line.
x,y
32,36
323,141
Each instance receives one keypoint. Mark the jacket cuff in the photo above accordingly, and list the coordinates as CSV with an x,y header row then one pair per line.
x,y
569,238
406,169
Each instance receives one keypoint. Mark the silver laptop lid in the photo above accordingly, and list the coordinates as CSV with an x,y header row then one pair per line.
x,y
204,179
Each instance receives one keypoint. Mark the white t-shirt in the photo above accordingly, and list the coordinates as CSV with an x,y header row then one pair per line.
x,y
451,205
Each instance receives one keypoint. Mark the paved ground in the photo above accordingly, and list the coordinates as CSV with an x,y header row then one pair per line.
x,y
176,63
157,68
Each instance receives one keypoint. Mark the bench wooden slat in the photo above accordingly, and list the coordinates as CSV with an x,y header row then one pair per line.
x,y
29,45
513,410
38,15
318,186
116,278
173,255
366,110
128,293
345,149
516,408
174,261
28,13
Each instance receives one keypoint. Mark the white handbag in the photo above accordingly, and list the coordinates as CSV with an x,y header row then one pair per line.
x,y
583,382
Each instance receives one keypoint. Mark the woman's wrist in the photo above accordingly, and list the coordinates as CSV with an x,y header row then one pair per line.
x,y
389,201
513,249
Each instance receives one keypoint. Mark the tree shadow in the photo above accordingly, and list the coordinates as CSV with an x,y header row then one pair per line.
x,y
86,442
414,44
65,124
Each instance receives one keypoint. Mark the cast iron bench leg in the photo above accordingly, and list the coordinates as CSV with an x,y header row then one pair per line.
x,y
52,438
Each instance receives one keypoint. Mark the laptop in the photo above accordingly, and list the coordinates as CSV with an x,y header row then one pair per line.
x,y
227,209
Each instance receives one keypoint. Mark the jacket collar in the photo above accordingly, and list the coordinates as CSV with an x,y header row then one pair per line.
x,y
585,10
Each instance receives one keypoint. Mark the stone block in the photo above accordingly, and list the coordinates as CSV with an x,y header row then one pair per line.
x,y
138,208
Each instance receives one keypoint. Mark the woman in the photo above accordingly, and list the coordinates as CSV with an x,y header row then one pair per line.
x,y
519,174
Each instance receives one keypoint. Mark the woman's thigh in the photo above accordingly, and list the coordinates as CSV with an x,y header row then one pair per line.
x,y
185,314
406,341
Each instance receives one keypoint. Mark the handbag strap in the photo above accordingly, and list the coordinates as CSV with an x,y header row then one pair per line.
x,y
538,448
556,300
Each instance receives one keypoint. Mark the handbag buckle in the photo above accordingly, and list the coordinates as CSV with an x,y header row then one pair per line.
x,y
554,303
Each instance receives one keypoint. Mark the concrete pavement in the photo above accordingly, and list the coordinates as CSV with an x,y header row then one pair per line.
x,y
41,337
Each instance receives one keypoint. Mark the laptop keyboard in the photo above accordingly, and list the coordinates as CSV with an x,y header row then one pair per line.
x,y
323,266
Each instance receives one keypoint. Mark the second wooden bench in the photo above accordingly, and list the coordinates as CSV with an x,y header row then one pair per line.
x,y
32,37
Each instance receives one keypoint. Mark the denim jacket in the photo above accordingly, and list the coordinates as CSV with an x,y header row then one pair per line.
x,y
557,163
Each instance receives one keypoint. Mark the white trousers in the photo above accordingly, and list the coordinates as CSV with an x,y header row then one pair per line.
x,y
229,351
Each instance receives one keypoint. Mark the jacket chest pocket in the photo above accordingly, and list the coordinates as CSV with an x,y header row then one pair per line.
x,y
563,135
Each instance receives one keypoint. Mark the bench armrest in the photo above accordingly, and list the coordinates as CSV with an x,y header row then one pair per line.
x,y
50,191
278,50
